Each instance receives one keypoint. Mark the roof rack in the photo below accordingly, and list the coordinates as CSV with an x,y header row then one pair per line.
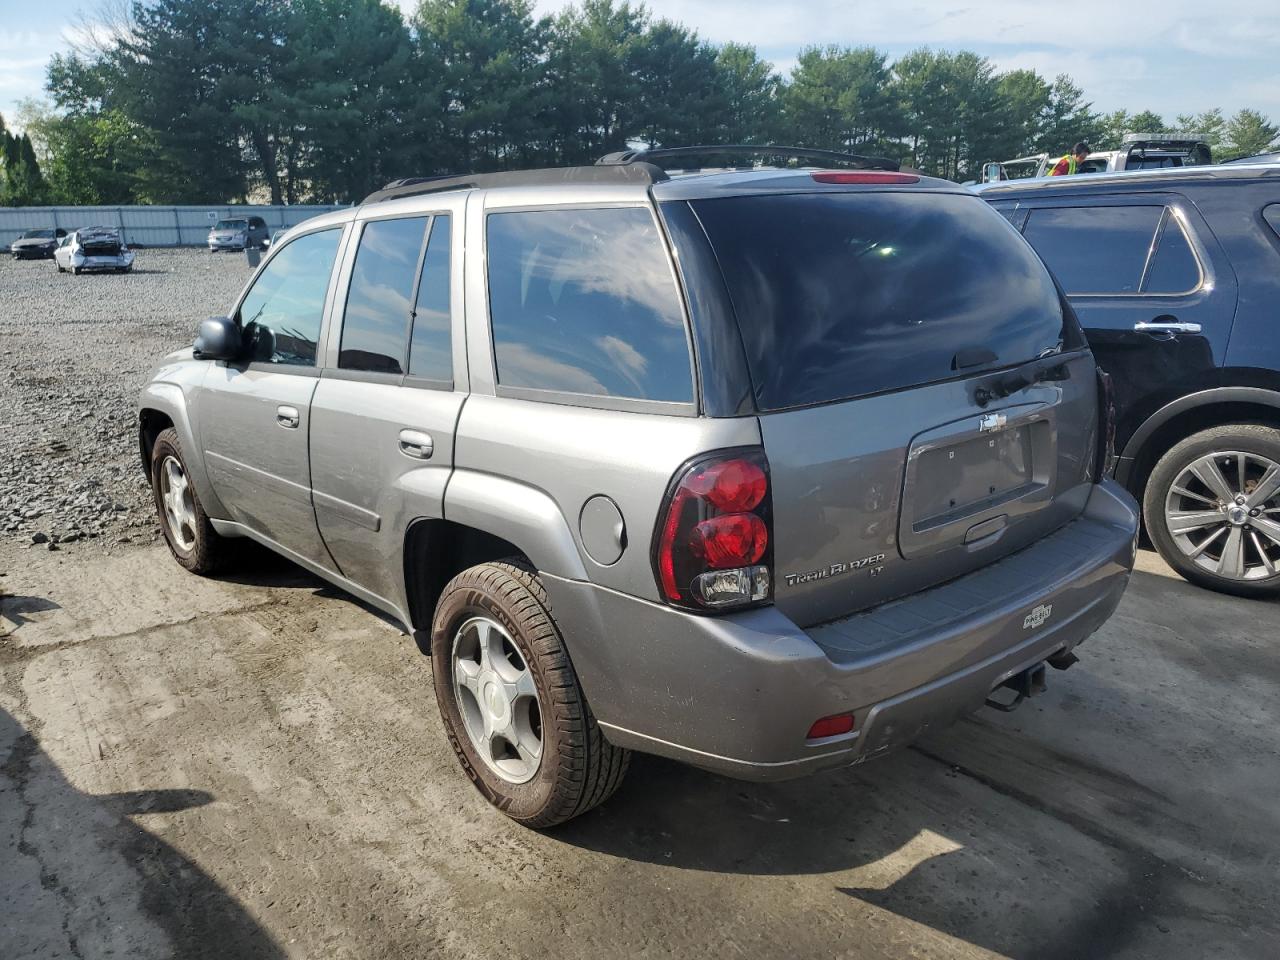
x,y
653,157
640,173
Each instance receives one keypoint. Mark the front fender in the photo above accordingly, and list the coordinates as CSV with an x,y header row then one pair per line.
x,y
520,514
170,399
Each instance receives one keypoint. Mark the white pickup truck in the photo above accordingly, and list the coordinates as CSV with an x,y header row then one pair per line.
x,y
1138,151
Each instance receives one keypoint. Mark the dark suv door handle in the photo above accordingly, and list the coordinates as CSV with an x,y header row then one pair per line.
x,y
288,417
416,444
1159,326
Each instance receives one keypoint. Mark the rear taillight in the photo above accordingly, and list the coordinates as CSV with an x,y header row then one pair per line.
x,y
713,548
863,176
1105,456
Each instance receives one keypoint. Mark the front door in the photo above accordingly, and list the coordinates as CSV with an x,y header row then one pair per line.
x,y
255,416
387,404
1151,286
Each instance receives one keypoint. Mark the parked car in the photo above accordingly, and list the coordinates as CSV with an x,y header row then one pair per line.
x,y
767,471
1175,276
1138,151
237,233
36,244
94,248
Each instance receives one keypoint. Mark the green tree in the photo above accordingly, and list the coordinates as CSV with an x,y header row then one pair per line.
x,y
1069,119
490,54
354,90
680,100
1210,124
840,98
592,65
1249,133
22,184
91,158
1024,102
751,111
1147,122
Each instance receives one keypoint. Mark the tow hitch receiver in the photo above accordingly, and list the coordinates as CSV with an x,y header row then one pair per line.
x,y
1025,684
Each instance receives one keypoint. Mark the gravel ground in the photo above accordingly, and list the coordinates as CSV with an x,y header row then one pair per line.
x,y
74,352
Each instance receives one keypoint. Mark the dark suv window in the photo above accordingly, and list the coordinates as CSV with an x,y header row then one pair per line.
x,y
1174,267
375,326
841,295
1271,214
1100,249
584,301
282,312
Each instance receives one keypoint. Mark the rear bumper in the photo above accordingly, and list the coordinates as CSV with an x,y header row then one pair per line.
x,y
738,694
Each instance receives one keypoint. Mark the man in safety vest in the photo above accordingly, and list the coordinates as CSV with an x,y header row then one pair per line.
x,y
1071,162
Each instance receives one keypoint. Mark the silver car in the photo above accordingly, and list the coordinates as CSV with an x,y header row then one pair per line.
x,y
99,249
238,233
767,470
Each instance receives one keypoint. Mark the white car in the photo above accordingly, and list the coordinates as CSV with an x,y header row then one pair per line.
x,y
94,248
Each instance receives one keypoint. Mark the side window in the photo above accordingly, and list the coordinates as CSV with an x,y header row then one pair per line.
x,y
1174,268
375,324
1095,249
583,301
431,351
1009,210
282,313
1271,214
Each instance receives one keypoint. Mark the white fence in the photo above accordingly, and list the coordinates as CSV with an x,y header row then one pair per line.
x,y
147,226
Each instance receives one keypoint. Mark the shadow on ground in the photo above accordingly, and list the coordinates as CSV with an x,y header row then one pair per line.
x,y
83,879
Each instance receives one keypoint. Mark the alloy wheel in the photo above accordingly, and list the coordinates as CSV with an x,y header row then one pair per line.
x,y
1223,513
179,504
498,699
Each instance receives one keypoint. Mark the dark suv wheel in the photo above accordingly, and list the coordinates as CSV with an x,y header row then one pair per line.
x,y
510,700
1212,509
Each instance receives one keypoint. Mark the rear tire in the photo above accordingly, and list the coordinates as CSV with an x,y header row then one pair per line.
x,y
187,530
1212,509
576,767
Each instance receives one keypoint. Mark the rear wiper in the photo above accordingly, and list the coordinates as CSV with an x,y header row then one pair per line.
x,y
1026,377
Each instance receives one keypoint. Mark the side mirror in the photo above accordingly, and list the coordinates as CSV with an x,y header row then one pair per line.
x,y
991,173
217,338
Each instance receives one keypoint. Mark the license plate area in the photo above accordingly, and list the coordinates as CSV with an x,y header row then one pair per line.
x,y
960,478
960,475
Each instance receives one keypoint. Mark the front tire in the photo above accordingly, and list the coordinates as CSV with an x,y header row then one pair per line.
x,y
1212,509
187,530
510,700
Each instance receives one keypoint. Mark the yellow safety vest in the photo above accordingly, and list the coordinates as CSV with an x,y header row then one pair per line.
x,y
1071,164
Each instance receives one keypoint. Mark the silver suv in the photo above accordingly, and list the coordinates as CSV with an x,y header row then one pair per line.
x,y
766,470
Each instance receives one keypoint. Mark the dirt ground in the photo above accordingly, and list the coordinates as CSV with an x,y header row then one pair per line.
x,y
254,767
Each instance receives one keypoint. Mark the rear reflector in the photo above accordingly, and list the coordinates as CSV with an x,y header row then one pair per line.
x,y
831,726
863,176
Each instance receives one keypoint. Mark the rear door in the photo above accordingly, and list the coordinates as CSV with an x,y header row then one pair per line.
x,y
925,404
1150,284
386,408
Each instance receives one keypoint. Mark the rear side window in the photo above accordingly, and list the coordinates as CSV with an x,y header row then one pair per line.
x,y
1174,267
286,302
1095,249
841,295
431,351
1271,214
375,326
584,301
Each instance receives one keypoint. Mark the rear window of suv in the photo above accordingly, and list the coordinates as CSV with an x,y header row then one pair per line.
x,y
845,295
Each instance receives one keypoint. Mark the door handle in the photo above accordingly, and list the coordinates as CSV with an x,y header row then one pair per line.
x,y
416,444
288,417
1170,327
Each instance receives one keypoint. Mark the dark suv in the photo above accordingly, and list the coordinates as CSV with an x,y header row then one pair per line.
x,y
1175,275
768,470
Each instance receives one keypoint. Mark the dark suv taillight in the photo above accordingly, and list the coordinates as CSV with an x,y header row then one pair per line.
x,y
1105,457
713,548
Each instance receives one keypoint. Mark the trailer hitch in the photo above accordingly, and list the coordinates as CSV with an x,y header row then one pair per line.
x,y
1024,684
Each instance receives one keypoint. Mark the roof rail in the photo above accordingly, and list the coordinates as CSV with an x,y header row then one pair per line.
x,y
858,161
640,173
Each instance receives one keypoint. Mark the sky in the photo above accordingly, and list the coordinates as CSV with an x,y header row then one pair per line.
x,y
1174,56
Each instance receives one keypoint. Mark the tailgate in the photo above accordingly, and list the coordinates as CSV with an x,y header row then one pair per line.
x,y
884,496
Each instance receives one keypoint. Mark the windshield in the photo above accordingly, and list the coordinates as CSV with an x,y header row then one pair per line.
x,y
231,225
37,235
840,295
